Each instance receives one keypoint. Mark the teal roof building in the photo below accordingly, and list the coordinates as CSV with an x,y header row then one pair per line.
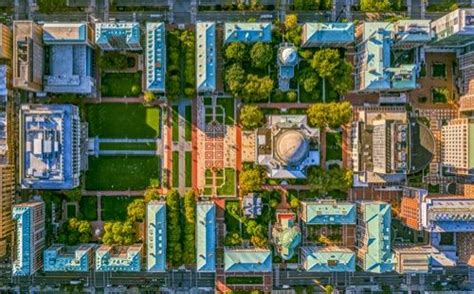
x,y
59,258
156,236
29,218
206,57
328,212
247,260
119,259
333,34
247,32
286,235
374,62
328,259
155,57
206,236
118,36
373,237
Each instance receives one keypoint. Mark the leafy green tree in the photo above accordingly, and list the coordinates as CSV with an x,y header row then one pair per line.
x,y
119,233
151,194
335,179
174,249
135,90
251,180
261,55
291,22
235,79
257,89
251,117
75,231
136,210
333,115
189,251
236,52
291,96
232,239
294,203
149,97
328,289
375,5
73,195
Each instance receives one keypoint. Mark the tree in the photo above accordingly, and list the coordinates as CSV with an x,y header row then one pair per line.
x,y
236,52
136,210
135,90
257,89
294,203
291,22
174,248
329,289
375,5
232,239
119,233
189,251
251,117
235,79
334,179
75,231
291,96
73,195
261,55
149,97
151,194
333,115
251,180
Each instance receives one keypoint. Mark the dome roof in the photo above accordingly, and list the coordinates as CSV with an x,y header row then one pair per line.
x,y
288,56
291,147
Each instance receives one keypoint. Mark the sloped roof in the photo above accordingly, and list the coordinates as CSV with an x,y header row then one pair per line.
x,y
247,260
155,57
247,32
156,236
206,56
328,33
323,212
205,236
329,259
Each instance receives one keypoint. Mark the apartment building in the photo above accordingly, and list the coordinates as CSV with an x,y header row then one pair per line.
x,y
30,237
458,146
6,46
7,194
28,56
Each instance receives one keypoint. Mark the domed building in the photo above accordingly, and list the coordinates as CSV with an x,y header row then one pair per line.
x,y
286,146
287,60
286,235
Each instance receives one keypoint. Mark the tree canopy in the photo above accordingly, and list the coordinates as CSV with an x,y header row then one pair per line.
x,y
236,52
174,249
235,78
136,210
261,55
251,117
189,251
334,179
251,180
332,115
151,194
257,88
75,231
119,233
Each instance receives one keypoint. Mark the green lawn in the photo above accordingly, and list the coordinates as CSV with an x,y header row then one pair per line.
x,y
88,208
229,185
118,120
228,105
122,172
333,146
71,211
114,208
244,280
121,84
188,116
189,168
175,169
174,123
127,146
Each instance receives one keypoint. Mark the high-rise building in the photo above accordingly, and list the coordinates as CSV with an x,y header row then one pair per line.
x,y
50,146
6,35
30,237
458,145
7,194
373,236
28,56
455,29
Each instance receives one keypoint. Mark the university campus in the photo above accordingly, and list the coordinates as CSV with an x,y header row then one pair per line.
x,y
214,146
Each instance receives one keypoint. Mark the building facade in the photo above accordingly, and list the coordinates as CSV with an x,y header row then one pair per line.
x,y
6,42
59,258
118,36
118,259
7,196
458,146
28,56
29,218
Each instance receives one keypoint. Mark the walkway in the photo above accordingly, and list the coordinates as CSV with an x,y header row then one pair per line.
x,y
117,100
112,193
126,140
284,105
128,152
